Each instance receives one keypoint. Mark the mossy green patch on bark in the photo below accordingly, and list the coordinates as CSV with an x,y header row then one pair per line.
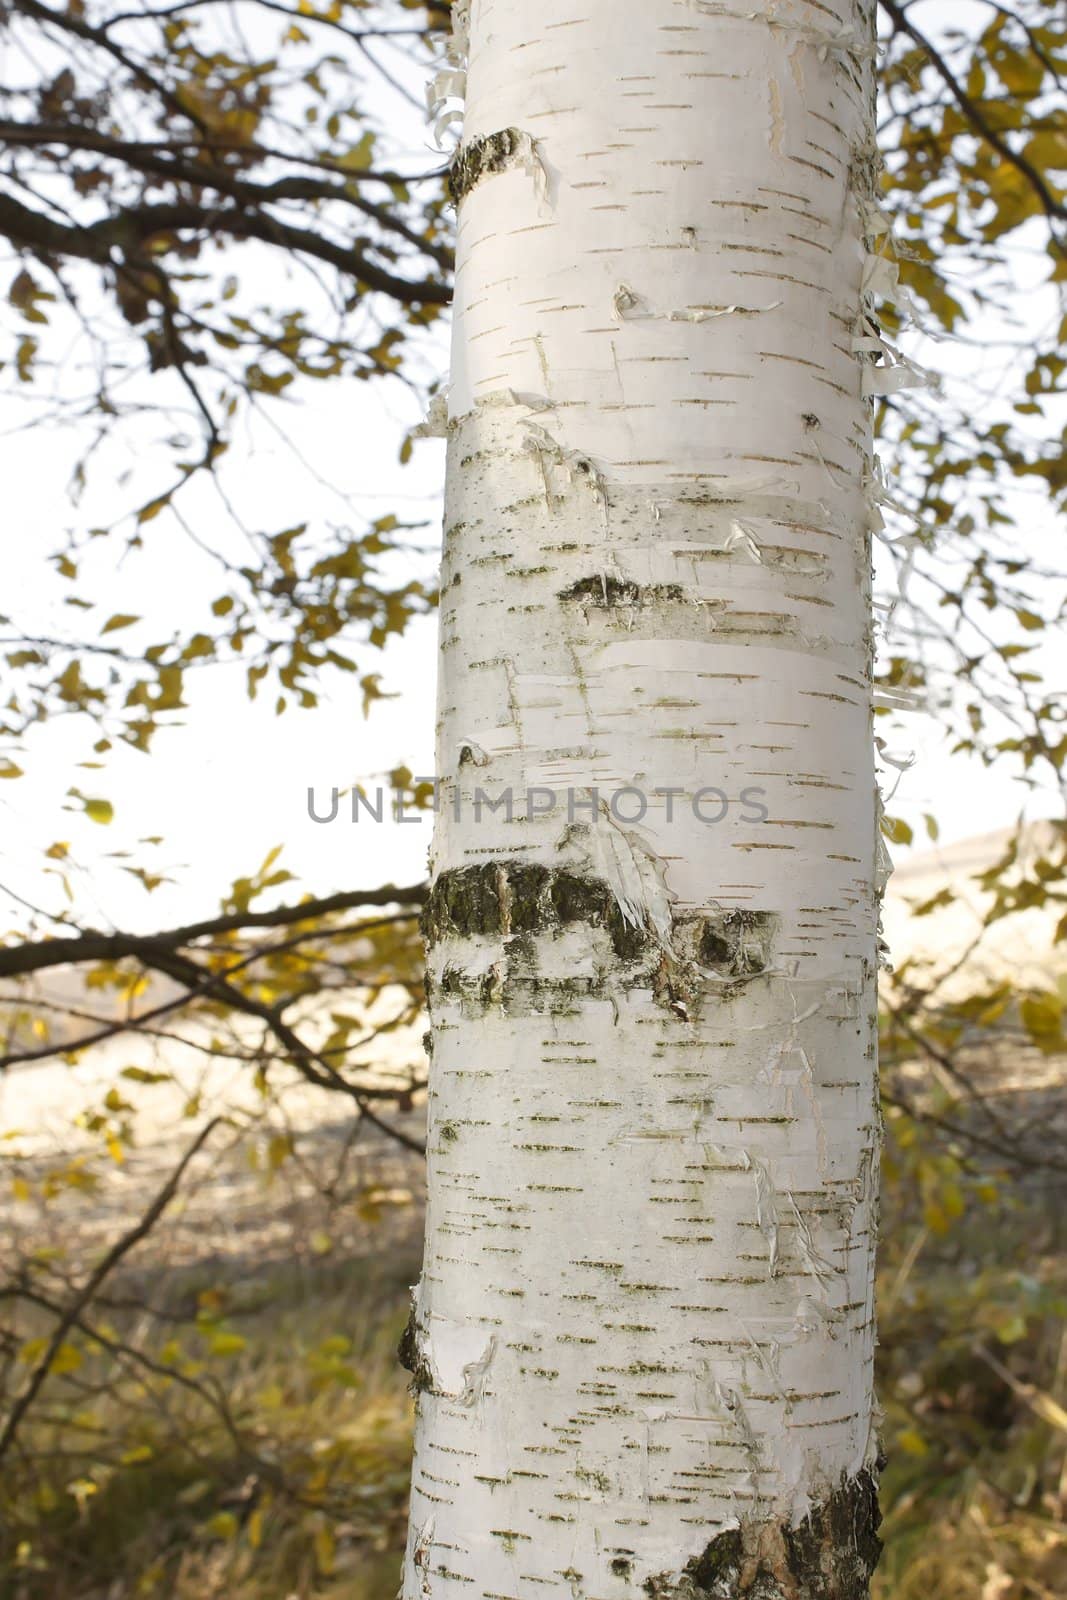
x,y
829,1556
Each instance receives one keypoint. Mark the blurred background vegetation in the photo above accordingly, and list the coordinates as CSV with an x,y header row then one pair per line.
x,y
219,215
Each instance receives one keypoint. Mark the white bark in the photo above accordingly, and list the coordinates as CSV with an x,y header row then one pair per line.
x,y
646,1309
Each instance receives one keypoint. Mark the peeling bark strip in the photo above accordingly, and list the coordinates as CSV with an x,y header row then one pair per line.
x,y
642,1342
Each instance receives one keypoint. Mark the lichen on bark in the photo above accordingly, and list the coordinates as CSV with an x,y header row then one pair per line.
x,y
830,1555
514,901
608,591
410,1356
480,157
505,898
737,943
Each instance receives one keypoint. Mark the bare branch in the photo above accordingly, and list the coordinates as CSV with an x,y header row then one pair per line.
x,y
36,956
129,229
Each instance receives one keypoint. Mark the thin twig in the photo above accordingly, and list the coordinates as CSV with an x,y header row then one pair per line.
x,y
96,1278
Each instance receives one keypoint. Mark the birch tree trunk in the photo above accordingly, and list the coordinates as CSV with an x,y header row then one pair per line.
x,y
642,1341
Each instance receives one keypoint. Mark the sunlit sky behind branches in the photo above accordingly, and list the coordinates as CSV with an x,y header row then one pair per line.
x,y
230,782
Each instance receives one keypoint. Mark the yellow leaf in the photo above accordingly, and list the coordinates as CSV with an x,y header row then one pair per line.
x,y
119,620
27,349
358,158
1048,150
1019,71
68,1358
101,811
223,1525
279,1150
152,509
1042,1016
228,1344
325,1551
70,683
896,830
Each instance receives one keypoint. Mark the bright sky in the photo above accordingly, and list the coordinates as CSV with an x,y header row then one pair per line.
x,y
231,784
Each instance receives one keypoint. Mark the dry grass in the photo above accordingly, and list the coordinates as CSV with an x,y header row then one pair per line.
x,y
305,1496
263,1452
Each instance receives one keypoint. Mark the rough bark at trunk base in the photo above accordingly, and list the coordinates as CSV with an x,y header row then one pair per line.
x,y
829,1556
